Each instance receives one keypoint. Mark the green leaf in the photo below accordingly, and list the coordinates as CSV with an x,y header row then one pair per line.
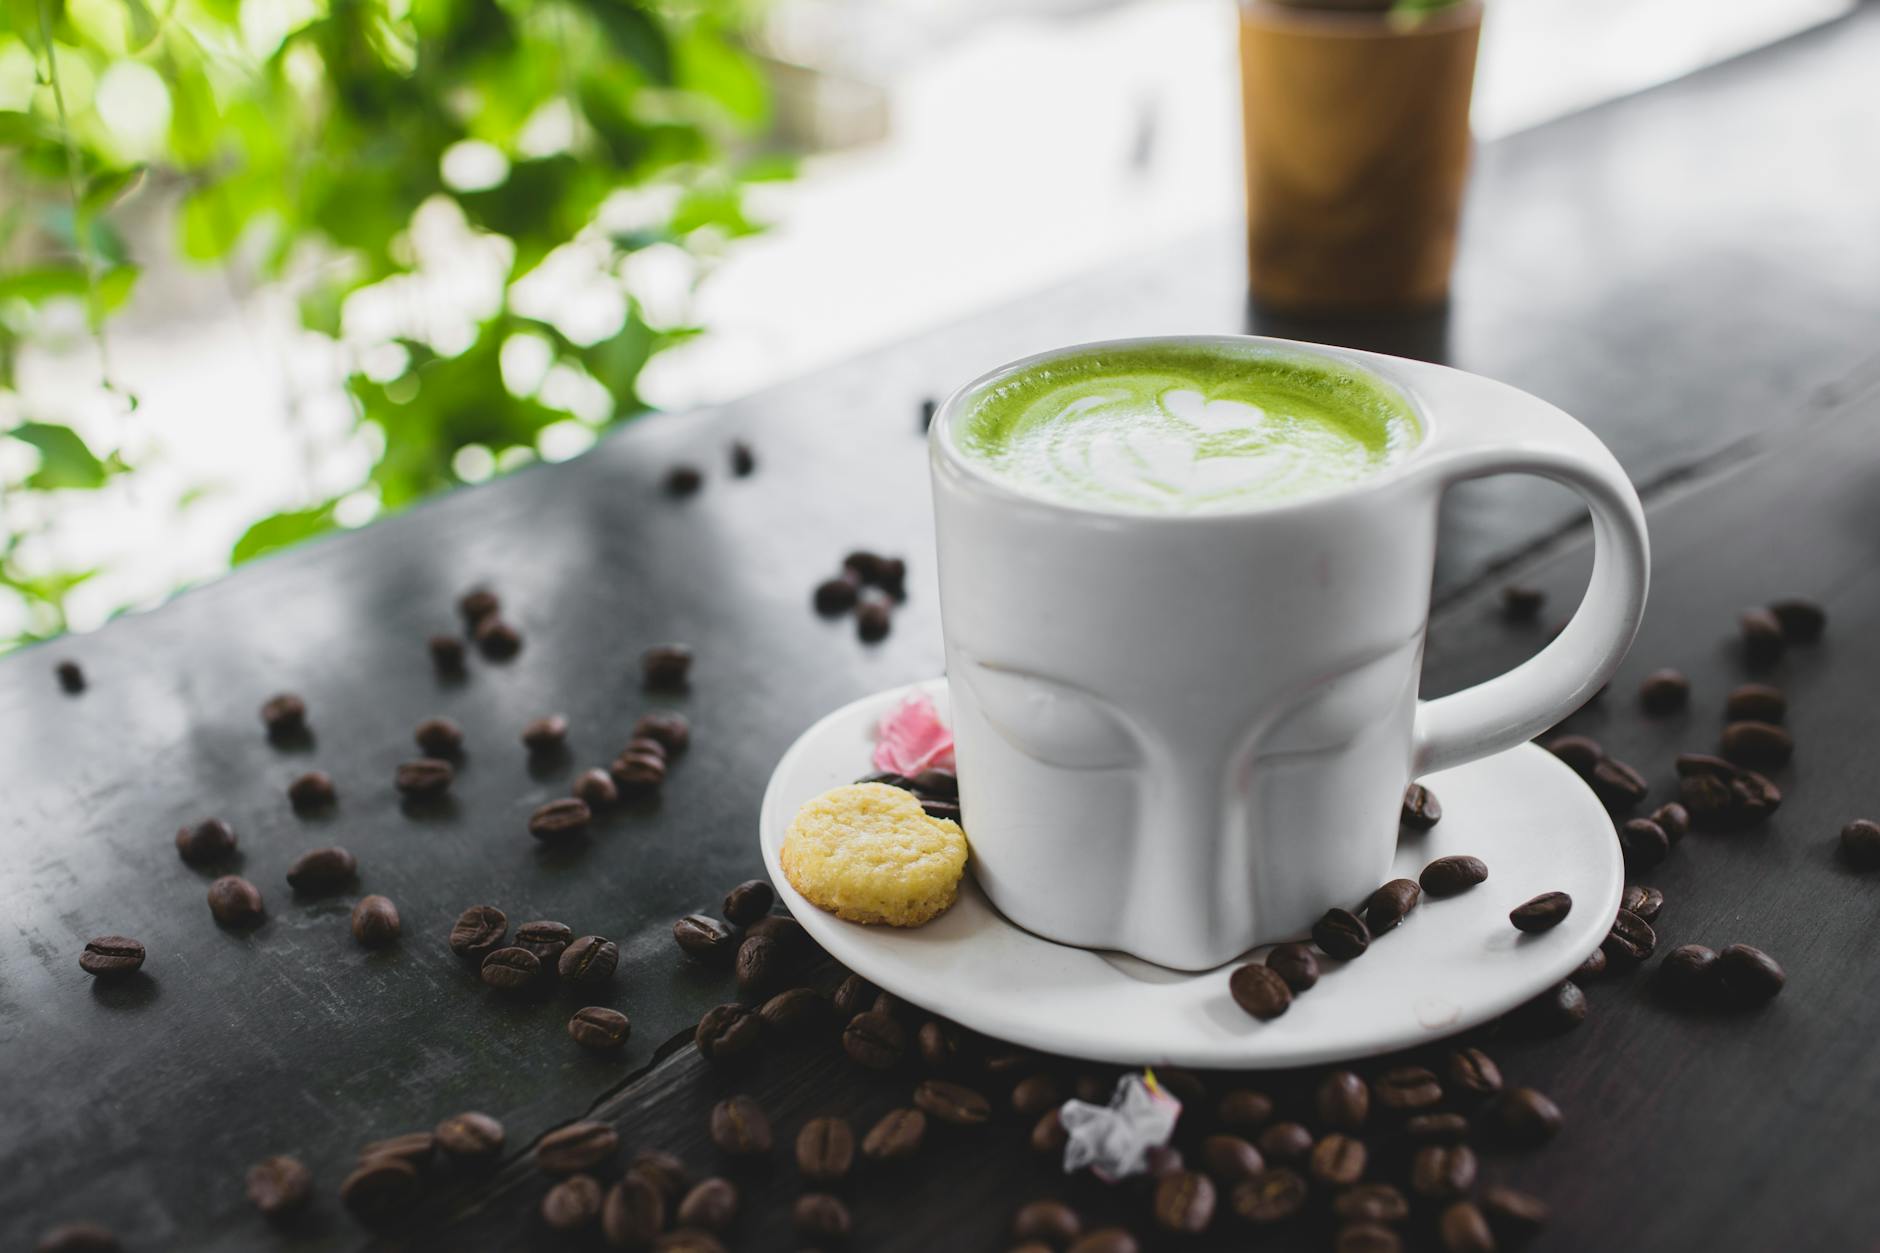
x,y
42,282
616,362
143,25
635,34
18,130
772,167
282,530
709,64
64,460
107,188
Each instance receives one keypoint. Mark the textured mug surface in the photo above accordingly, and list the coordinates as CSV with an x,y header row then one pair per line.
x,y
1181,736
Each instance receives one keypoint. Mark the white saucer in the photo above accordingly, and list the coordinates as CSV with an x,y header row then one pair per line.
x,y
1452,964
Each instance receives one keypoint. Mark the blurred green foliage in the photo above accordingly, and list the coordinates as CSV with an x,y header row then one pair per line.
x,y
318,128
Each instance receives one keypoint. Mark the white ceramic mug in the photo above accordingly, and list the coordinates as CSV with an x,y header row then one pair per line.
x,y
1182,736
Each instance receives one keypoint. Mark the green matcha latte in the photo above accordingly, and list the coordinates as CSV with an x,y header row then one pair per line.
x,y
1186,427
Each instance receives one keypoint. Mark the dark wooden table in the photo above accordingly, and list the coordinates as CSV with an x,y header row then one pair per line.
x,y
1694,272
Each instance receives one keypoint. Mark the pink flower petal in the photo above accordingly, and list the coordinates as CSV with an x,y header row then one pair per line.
x,y
912,739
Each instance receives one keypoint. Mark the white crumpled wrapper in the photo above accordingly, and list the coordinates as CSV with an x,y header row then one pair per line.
x,y
1114,1140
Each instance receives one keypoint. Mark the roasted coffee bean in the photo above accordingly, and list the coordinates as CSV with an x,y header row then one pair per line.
x,y
1272,1196
469,1136
1031,1097
1523,1117
1558,1009
1184,1201
1710,800
1184,1085
1698,764
1343,1100
544,735
235,902
1643,901
110,955
447,654
728,1033
1521,602
661,1169
598,1028
705,938
424,778
1673,819
1514,1216
1436,1128
1763,641
1230,1158
479,603
575,1147
666,667
588,961
311,791
574,1204
1421,809
1581,753
78,1238
825,1148
1052,1222
375,921
633,1213
951,1103
1105,1240
873,619
1750,976
1296,964
478,931
1243,1109
1753,797
1663,692
1759,745
666,727
322,870
416,1147
835,597
1285,1142
711,1205
209,840
939,1044
380,1190
788,933
854,995
1446,876
897,1134
1442,1171
71,676
279,1186
1464,1229
1048,1135
1643,843
1631,939
1617,785
1337,1159
1542,913
749,901
1472,1071
1755,702
1370,1203
438,737
1341,934
740,1127
1407,1089
510,969
1591,968
638,772
795,1011
819,1216
760,966
1366,1238
285,716
546,939
1391,904
1260,991
560,819
595,789
1860,844
1802,621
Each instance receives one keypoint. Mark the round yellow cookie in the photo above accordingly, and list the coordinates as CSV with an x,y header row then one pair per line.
x,y
869,853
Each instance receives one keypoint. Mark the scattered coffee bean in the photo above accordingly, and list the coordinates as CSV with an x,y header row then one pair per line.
x,y
661,1169
873,620
1631,939
681,481
711,1205
666,667
235,902
1295,964
819,1216
1391,904
414,1147
1560,1008
71,677
574,1204
1048,1135
478,931
743,460
939,1044
665,727
1446,876
380,1190
1370,1203
1341,934
111,955
760,966
547,940
728,1033
1032,1096
1617,785
438,737
479,603
560,819
1184,1201
1642,901
279,1186
835,597
853,996
1421,809
598,1028
705,937
1337,1159
375,921
208,841
1802,621
1407,1089
1673,819
898,1134
633,1213
1756,702
1436,1128
1664,692
1521,603
424,778
545,735
1285,1142
1749,975
285,716
78,1238
1242,1109
1515,1217
1860,844
951,1102
1473,1071
1581,753
1523,1117
740,1127
510,969
825,1148
1464,1229
794,1012
1230,1158
1442,1171
588,961
1593,967
1722,796
1272,1196
1542,913
637,772
311,791
1260,990
447,654
496,639
1643,843
1763,641
1343,1100
749,901
1052,1222
322,870
576,1147
1758,745
595,789
469,1136
1366,1238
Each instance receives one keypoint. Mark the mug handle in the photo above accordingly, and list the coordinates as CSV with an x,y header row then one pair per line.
x,y
1491,428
